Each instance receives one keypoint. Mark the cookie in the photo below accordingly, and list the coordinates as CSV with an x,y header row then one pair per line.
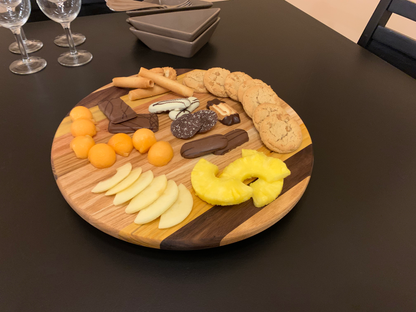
x,y
257,95
233,82
195,81
186,126
204,146
246,85
175,114
208,119
265,110
173,104
281,136
214,80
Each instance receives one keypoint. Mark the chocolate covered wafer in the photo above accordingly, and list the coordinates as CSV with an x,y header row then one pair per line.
x,y
149,121
116,110
235,138
203,146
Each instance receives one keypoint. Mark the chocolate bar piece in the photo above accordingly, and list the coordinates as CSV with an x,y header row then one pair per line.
x,y
226,114
203,146
149,121
116,110
235,138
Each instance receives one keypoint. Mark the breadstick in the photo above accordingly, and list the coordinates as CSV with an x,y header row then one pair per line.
x,y
144,93
133,82
167,83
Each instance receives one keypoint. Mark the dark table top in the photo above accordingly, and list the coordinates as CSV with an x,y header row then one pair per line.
x,y
348,245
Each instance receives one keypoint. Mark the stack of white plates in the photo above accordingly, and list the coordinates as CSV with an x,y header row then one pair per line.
x,y
180,33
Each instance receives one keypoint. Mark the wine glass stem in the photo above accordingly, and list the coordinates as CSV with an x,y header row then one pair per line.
x,y
68,34
18,36
23,34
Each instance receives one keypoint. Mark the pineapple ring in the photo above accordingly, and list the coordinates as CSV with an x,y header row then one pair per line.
x,y
229,189
255,164
215,190
269,171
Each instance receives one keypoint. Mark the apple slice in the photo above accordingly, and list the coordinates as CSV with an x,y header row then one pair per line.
x,y
148,195
105,185
141,183
129,180
160,205
180,209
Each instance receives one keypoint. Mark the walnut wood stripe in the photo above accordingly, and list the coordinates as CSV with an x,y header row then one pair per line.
x,y
209,229
267,216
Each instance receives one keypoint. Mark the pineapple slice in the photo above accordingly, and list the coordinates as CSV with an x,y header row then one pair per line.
x,y
256,164
217,191
264,192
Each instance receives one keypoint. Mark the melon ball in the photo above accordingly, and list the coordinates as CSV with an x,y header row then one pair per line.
x,y
160,154
102,156
81,127
121,143
143,139
81,145
80,112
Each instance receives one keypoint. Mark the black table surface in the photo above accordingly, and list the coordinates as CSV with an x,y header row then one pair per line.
x,y
348,245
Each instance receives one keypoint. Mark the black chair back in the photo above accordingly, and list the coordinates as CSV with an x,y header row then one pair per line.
x,y
392,46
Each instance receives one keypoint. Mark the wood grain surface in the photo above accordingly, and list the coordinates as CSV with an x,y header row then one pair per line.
x,y
207,226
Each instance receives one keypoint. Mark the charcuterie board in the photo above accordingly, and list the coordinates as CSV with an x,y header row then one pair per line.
x,y
207,226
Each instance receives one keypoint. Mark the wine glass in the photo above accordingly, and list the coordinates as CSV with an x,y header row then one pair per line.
x,y
62,41
64,12
32,45
13,15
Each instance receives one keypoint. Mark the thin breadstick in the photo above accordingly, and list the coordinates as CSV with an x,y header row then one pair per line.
x,y
145,93
133,82
167,83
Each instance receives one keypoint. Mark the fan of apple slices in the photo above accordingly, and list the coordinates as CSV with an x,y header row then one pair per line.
x,y
152,197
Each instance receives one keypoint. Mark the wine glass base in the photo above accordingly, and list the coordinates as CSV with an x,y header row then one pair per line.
x,y
32,65
31,46
62,41
72,60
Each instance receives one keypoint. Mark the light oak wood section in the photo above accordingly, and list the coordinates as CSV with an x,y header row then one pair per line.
x,y
76,178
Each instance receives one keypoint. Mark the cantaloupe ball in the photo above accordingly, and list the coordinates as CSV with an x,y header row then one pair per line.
x,y
121,143
81,145
143,139
83,127
160,153
80,112
102,156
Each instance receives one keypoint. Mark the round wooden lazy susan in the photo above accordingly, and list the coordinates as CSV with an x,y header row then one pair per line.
x,y
207,226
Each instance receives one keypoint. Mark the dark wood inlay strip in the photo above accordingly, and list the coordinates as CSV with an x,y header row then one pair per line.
x,y
210,228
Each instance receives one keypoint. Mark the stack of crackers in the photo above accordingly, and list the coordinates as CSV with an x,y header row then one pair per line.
x,y
278,131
